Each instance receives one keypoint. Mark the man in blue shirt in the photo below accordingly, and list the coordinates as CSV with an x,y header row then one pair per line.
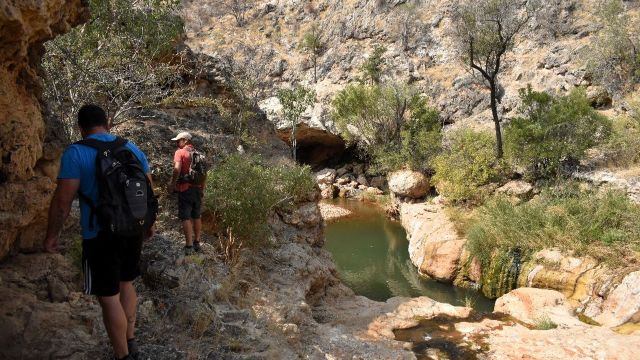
x,y
110,264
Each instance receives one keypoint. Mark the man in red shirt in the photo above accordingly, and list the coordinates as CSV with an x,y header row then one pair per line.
x,y
189,195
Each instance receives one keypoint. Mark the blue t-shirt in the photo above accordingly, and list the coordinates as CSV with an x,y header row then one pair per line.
x,y
79,162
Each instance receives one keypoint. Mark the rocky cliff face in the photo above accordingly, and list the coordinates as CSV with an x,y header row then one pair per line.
x,y
29,145
547,54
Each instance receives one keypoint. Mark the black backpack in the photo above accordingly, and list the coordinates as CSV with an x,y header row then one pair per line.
x,y
197,170
126,204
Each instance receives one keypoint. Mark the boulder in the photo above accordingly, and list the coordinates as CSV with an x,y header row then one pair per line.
x,y
516,188
407,183
434,245
531,306
358,169
341,171
362,180
343,180
442,259
374,191
329,192
623,303
379,182
326,176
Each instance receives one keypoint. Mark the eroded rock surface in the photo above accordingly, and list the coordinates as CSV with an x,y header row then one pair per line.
x,y
407,183
434,245
29,144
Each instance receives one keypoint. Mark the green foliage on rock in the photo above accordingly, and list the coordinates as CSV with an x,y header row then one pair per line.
x,y
374,67
623,146
392,125
120,59
313,44
243,191
604,225
553,129
466,164
613,58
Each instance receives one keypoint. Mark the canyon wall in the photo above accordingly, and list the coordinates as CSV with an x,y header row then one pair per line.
x,y
30,144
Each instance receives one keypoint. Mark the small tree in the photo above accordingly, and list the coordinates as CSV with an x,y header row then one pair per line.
x,y
373,67
313,45
392,125
408,24
239,10
294,102
613,60
123,59
485,32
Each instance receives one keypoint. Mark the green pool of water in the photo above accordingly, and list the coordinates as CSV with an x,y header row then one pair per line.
x,y
372,256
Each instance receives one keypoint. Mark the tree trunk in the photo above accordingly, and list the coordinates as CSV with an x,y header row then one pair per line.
x,y
315,67
293,142
496,119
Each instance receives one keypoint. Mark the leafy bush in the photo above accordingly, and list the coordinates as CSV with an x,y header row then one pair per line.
x,y
603,225
121,59
466,164
242,191
391,125
374,67
553,130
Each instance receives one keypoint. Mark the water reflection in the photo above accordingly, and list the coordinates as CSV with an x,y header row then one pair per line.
x,y
372,256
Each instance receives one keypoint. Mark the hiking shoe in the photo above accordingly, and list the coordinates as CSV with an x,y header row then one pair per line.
x,y
134,353
188,250
196,246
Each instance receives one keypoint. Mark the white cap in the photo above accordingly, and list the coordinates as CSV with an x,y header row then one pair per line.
x,y
183,135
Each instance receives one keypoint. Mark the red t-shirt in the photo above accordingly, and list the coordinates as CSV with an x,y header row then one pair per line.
x,y
184,157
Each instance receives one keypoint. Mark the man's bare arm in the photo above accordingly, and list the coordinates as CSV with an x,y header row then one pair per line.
x,y
177,167
59,210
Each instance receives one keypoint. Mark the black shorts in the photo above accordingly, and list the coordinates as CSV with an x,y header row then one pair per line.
x,y
109,260
189,203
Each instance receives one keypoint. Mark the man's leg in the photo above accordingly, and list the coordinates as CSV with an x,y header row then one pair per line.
x,y
129,301
197,228
188,232
115,321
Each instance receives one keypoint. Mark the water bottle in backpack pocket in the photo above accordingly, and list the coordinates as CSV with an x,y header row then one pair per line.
x,y
126,204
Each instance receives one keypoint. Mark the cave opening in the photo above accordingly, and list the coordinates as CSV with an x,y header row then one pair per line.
x,y
319,148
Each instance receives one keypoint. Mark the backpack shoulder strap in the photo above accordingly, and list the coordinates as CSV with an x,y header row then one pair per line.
x,y
103,145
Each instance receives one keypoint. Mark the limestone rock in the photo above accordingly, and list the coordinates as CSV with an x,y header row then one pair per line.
x,y
434,246
407,183
362,180
28,164
531,306
442,259
329,191
516,188
326,176
379,182
623,303
331,212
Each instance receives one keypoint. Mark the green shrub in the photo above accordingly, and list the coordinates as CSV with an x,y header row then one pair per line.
x,y
466,164
242,191
544,322
122,59
392,125
552,130
603,225
623,147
